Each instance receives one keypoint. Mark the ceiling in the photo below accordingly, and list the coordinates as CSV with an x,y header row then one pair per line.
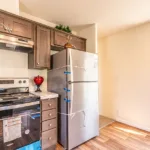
x,y
110,15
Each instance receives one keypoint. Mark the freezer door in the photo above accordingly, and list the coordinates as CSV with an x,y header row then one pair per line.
x,y
83,66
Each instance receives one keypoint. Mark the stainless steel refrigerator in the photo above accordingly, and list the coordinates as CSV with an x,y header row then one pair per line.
x,y
74,76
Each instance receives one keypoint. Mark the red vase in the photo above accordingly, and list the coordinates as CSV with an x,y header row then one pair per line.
x,y
38,80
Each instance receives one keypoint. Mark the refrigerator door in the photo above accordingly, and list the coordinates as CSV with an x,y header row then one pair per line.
x,y
83,121
83,66
82,127
82,95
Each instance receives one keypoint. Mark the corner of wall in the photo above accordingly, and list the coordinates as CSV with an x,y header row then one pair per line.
x,y
90,33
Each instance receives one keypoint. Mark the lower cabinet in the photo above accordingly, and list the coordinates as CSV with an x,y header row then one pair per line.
x,y
49,124
49,138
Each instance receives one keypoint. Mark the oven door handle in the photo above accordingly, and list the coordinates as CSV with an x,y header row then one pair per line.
x,y
19,106
34,116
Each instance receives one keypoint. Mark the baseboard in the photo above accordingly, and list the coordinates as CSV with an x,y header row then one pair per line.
x,y
106,124
132,124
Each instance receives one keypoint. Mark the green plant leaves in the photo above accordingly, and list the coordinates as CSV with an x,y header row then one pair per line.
x,y
63,28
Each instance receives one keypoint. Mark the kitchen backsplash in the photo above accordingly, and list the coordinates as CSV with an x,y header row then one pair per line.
x,y
15,64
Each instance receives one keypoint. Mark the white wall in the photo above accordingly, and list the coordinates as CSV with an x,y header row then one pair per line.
x,y
10,6
15,64
125,76
28,16
90,33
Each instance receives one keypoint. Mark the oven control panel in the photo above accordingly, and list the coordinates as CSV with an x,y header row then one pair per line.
x,y
14,82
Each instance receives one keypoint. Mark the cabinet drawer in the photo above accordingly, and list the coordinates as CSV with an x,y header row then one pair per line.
x,y
49,138
49,114
50,124
49,104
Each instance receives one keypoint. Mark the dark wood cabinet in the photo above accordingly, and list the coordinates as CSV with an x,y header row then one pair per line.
x,y
48,123
20,27
16,26
2,23
41,56
79,43
44,38
59,39
43,47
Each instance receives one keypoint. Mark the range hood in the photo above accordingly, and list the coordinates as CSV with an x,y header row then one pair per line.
x,y
16,44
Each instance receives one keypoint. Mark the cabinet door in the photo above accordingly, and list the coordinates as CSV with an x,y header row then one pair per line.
x,y
79,43
19,27
2,22
42,49
59,38
15,26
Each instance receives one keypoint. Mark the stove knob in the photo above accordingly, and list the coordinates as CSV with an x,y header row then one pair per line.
x,y
20,81
24,81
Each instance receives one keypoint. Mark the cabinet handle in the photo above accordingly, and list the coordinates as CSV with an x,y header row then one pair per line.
x,y
50,114
50,125
9,30
38,63
50,105
49,138
5,27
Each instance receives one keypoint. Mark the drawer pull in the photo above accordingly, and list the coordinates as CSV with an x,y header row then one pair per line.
x,y
50,125
49,138
50,114
50,105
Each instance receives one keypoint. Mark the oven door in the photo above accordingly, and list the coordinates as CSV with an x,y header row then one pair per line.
x,y
19,127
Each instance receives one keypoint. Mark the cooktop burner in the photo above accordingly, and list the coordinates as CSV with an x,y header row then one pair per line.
x,y
18,96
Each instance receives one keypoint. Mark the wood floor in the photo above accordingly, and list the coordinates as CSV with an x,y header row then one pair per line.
x,y
117,136
104,121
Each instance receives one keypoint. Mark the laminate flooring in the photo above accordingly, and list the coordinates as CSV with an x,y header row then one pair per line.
x,y
117,136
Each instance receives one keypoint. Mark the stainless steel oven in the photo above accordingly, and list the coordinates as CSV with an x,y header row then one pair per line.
x,y
19,126
19,114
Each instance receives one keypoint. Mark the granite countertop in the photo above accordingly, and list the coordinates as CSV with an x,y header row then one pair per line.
x,y
45,95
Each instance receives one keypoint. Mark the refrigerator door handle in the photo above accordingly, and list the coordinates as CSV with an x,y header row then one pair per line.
x,y
81,67
84,118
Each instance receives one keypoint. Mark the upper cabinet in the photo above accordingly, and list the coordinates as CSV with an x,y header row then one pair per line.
x,y
40,59
2,23
79,43
16,26
59,39
42,50
45,38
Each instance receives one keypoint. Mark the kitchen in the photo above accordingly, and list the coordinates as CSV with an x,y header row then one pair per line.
x,y
33,56
25,53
